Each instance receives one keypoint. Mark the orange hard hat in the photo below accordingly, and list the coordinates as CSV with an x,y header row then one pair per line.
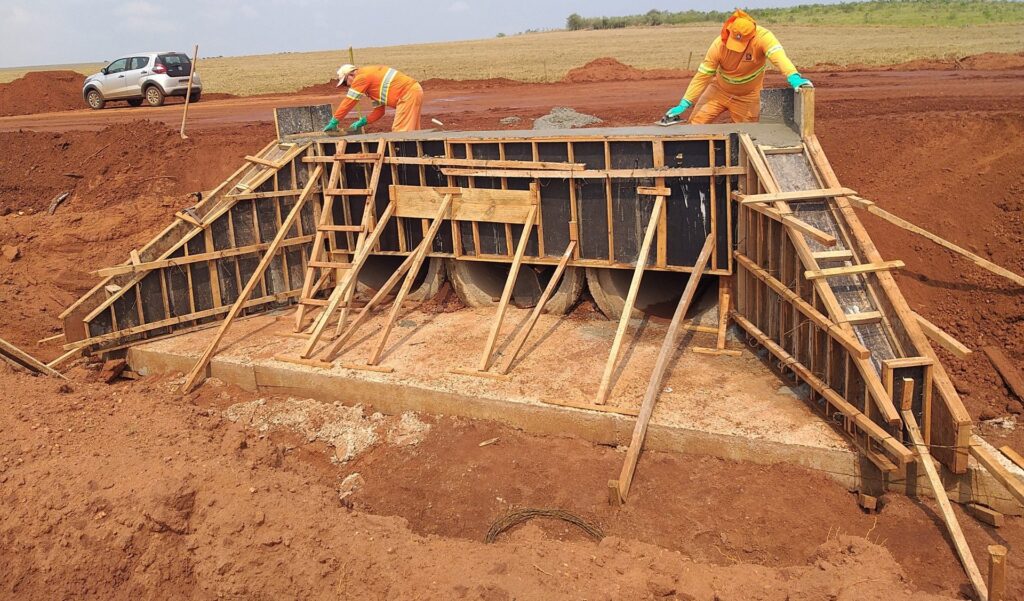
x,y
738,30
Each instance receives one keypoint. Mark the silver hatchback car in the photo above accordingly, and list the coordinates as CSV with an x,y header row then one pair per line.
x,y
145,77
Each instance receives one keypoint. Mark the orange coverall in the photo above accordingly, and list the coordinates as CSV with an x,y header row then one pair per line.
x,y
385,87
735,78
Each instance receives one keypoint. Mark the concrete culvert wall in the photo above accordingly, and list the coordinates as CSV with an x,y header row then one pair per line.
x,y
379,268
659,292
480,284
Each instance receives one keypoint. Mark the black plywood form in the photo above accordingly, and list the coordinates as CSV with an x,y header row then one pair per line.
x,y
302,119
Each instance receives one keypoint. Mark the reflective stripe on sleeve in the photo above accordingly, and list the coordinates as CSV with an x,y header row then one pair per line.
x,y
773,50
705,70
354,94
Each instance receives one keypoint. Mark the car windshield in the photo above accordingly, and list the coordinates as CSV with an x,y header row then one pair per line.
x,y
174,60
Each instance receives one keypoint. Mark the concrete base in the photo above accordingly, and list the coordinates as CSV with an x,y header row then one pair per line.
x,y
727,407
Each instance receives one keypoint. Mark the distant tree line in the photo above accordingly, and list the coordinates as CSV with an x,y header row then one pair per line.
x,y
891,12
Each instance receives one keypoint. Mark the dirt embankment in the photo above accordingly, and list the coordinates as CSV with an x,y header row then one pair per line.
x,y
42,92
125,183
988,61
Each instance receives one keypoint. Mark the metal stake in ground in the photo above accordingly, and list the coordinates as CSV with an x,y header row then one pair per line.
x,y
188,92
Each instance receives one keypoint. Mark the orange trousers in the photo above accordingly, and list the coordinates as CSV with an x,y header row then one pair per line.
x,y
407,111
713,102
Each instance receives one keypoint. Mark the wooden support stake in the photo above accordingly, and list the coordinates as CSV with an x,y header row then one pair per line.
x,y
952,525
420,252
627,309
618,490
907,398
996,573
197,373
188,92
19,358
872,208
1010,482
335,347
513,350
940,336
1007,370
1013,456
506,294
817,194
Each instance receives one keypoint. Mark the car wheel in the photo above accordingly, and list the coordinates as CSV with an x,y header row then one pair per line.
x,y
154,96
195,97
135,102
94,99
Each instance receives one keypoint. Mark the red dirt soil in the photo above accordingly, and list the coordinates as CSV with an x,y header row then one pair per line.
x,y
610,69
42,92
100,492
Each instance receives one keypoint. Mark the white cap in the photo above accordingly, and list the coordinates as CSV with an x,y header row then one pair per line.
x,y
343,72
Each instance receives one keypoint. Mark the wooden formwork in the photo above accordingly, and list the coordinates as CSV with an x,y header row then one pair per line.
x,y
812,289
190,275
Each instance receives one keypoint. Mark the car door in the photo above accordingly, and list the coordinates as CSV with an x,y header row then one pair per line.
x,y
138,67
113,79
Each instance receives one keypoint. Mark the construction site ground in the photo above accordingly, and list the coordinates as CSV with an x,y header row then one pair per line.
x,y
129,490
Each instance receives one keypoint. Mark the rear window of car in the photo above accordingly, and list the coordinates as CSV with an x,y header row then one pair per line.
x,y
174,60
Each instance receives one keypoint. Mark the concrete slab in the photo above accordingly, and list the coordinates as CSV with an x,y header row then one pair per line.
x,y
729,407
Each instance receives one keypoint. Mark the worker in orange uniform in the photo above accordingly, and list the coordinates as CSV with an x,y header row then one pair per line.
x,y
733,73
385,87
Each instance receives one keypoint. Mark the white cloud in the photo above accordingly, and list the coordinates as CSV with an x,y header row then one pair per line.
x,y
459,6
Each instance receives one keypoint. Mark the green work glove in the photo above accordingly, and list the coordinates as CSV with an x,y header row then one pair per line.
x,y
331,125
799,81
679,109
360,123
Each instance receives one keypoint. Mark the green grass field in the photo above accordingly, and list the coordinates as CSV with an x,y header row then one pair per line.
x,y
902,13
545,57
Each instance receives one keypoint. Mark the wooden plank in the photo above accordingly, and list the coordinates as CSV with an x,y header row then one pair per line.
x,y
19,358
1002,475
805,228
506,294
469,204
986,515
488,164
833,255
1007,370
264,162
863,318
907,398
187,260
946,510
853,270
627,310
814,194
524,333
653,191
420,253
668,348
1013,456
195,376
596,173
940,336
910,227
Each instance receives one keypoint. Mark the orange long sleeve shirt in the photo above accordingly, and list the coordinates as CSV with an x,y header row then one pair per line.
x,y
383,85
739,73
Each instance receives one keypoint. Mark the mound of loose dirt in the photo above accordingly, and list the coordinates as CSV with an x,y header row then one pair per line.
x,y
42,92
610,69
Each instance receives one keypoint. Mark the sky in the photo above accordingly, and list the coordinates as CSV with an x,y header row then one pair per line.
x,y
49,32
